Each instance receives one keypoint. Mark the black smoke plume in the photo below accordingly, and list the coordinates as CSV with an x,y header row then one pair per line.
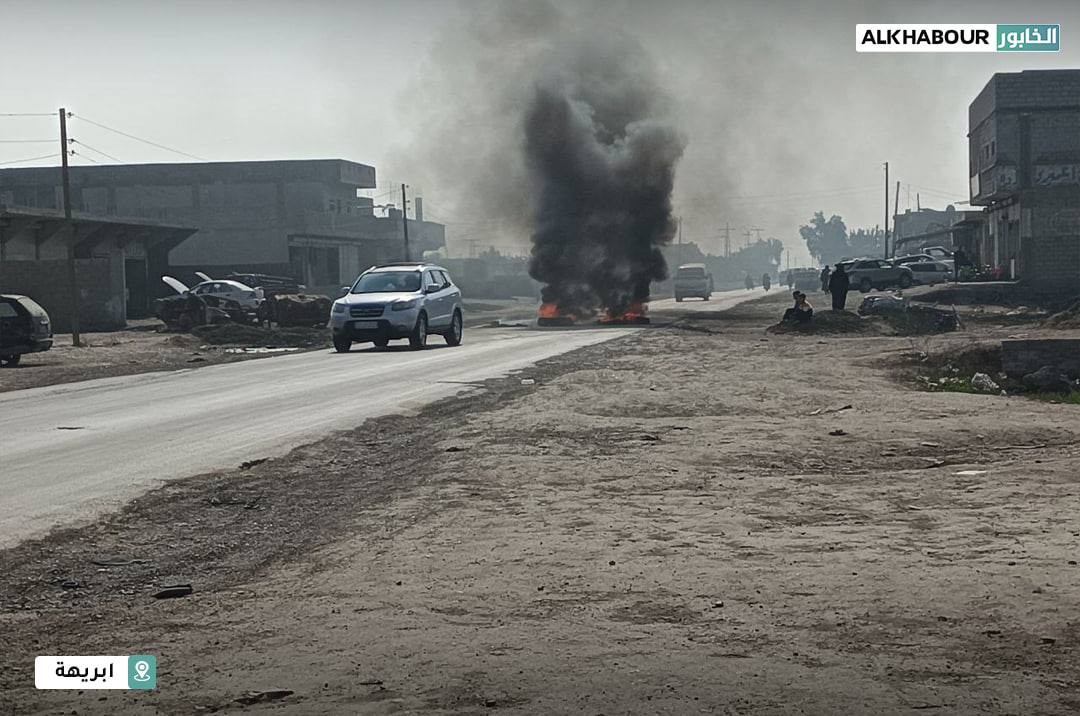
x,y
602,159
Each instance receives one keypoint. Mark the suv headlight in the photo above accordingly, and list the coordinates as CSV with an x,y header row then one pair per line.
x,y
338,307
404,305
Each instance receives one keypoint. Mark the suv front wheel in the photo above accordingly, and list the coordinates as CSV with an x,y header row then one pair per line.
x,y
418,337
341,343
905,281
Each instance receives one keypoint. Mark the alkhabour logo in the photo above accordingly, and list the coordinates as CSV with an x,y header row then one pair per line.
x,y
925,38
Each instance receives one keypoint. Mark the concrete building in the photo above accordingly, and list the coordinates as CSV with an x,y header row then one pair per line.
x,y
116,263
1024,150
951,228
300,218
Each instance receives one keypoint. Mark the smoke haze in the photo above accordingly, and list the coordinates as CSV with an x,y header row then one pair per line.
x,y
601,164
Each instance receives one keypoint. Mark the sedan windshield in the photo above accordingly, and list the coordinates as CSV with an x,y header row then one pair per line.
x,y
388,282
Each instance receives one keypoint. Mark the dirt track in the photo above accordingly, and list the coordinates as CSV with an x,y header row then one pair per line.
x,y
659,524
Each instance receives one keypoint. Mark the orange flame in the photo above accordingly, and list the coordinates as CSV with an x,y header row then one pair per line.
x,y
551,311
548,310
635,312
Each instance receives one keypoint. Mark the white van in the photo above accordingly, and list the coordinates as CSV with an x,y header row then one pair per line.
x,y
693,280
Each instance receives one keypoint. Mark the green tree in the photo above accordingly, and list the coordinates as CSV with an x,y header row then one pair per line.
x,y
825,240
866,242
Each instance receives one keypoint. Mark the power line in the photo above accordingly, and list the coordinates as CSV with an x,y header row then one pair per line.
x,y
27,141
138,139
108,156
30,159
27,114
83,156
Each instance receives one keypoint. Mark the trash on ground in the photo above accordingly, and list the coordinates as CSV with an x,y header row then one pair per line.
x,y
174,591
258,697
826,411
984,383
263,349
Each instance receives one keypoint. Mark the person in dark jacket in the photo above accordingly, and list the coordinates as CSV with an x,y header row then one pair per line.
x,y
825,279
839,283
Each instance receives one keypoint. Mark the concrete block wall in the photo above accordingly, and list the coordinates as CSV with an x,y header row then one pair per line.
x,y
1018,358
102,305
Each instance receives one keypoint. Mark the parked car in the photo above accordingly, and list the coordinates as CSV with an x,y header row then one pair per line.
x,y
912,259
24,328
805,279
693,280
403,300
931,272
866,274
940,253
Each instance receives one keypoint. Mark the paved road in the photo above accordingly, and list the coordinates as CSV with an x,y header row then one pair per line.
x,y
719,301
133,432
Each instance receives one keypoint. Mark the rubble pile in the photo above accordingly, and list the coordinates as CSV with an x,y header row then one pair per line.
x,y
909,319
1069,318
829,322
298,309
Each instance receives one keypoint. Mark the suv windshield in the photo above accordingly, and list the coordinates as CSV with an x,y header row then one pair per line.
x,y
691,272
388,282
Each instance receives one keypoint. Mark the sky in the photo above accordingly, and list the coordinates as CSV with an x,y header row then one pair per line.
x,y
781,116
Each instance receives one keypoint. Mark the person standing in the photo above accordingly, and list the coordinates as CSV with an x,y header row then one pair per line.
x,y
959,261
766,282
839,283
825,279
749,283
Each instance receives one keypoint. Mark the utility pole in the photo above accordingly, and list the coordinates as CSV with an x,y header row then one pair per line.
x,y
680,230
73,278
405,222
757,232
896,210
727,239
747,235
886,211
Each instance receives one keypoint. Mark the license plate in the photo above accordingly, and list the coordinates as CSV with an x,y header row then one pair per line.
x,y
365,325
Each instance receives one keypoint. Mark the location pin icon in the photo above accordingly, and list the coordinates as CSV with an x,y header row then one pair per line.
x,y
141,667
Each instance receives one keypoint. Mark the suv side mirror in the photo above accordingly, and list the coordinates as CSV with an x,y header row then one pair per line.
x,y
432,289
344,289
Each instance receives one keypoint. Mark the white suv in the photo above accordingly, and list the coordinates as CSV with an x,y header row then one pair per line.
x,y
403,300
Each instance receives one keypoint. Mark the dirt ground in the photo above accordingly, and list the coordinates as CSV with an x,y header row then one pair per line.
x,y
142,349
666,523
138,349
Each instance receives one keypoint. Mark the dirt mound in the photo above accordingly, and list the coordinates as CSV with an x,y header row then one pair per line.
x,y
829,322
1069,318
237,334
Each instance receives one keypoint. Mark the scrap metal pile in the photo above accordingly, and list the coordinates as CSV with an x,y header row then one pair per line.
x,y
241,298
